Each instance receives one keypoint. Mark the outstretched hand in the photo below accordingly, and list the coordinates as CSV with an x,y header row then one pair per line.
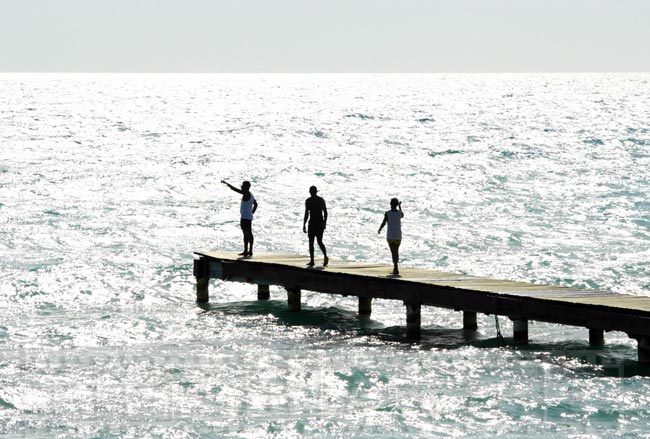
x,y
304,229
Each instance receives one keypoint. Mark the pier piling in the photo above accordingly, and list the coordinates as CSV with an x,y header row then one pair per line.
x,y
469,321
293,298
520,331
263,292
643,349
365,306
596,337
413,320
202,275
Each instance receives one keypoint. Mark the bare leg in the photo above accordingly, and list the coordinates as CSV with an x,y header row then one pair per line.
x,y
311,250
394,251
245,252
324,250
250,243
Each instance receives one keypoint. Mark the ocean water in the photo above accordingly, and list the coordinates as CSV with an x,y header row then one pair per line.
x,y
108,183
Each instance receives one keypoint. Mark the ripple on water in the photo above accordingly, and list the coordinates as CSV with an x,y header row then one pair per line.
x,y
98,294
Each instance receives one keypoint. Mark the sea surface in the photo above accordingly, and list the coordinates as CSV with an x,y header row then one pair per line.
x,y
109,182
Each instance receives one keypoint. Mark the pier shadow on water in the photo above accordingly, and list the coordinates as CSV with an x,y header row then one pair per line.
x,y
614,360
346,322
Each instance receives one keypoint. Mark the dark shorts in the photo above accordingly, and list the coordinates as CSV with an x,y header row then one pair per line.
x,y
246,225
315,231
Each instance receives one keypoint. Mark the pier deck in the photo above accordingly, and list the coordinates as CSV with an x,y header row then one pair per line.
x,y
597,310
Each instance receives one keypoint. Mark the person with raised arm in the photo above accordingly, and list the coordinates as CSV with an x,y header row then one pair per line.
x,y
247,209
393,218
316,212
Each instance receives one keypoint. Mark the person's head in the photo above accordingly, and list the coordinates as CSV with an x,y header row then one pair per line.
x,y
313,190
393,203
245,186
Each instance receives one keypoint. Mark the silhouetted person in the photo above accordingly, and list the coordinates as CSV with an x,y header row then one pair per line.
x,y
247,209
393,218
316,211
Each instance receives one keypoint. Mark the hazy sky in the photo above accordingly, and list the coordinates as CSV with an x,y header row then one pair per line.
x,y
324,36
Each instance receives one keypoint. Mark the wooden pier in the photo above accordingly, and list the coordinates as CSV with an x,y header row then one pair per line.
x,y
597,310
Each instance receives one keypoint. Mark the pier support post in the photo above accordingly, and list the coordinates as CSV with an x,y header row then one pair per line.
x,y
469,321
263,292
365,306
412,320
520,331
202,275
643,349
293,296
596,337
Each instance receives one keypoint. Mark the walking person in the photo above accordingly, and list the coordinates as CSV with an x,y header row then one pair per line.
x,y
316,212
247,209
393,218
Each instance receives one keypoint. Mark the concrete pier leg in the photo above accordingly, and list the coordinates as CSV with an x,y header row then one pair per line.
x,y
365,306
596,337
644,349
263,292
293,296
412,320
202,275
202,287
469,321
520,331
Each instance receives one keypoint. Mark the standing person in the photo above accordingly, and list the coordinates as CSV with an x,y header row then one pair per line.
x,y
316,212
394,232
247,209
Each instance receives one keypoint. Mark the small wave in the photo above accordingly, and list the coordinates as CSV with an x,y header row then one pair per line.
x,y
508,154
360,379
361,116
320,134
642,223
393,142
593,141
6,404
472,139
449,151
640,142
426,119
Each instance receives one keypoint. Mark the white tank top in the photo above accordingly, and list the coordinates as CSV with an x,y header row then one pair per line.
x,y
246,208
394,221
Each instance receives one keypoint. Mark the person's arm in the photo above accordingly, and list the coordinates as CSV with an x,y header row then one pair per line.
x,y
254,205
304,221
383,223
239,191
324,215
400,208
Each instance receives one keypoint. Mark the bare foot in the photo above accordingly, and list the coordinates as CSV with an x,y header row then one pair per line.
x,y
326,261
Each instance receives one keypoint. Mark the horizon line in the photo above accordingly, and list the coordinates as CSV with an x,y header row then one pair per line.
x,y
504,72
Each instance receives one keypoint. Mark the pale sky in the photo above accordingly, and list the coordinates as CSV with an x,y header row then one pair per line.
x,y
324,36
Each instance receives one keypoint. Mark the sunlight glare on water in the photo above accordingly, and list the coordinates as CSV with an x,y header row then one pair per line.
x,y
108,183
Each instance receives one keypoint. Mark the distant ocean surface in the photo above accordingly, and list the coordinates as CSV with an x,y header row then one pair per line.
x,y
108,183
